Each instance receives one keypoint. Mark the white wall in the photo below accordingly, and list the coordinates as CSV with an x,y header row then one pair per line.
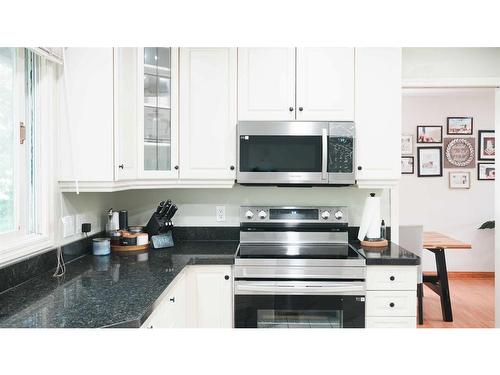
x,y
429,201
197,206
92,206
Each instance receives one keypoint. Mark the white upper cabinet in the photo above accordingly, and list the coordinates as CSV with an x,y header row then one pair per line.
x,y
125,112
86,133
325,84
378,114
266,84
306,84
207,113
157,112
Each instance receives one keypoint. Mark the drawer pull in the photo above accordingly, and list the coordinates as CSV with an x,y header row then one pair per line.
x,y
391,304
392,278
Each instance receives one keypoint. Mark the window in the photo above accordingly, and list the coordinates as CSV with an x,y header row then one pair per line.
x,y
23,183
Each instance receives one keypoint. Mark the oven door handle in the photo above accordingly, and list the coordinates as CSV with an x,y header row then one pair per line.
x,y
340,289
324,163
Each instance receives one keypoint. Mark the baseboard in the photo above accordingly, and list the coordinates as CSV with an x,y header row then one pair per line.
x,y
467,275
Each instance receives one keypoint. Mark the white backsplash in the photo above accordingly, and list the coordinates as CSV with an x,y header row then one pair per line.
x,y
197,207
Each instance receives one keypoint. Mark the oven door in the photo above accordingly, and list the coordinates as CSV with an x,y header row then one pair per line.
x,y
282,153
299,304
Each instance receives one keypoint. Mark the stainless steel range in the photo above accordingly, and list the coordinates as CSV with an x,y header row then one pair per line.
x,y
294,268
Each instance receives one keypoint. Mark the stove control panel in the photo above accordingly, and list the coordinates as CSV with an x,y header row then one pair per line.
x,y
326,214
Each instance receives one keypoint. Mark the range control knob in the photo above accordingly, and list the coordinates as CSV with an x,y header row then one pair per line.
x,y
262,214
249,214
325,215
338,215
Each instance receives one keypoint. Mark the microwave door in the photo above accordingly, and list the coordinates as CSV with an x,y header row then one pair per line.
x,y
282,153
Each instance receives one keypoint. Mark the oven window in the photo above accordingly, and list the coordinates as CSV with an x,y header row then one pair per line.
x,y
299,319
281,153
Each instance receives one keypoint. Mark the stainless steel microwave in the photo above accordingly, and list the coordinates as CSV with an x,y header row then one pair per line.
x,y
296,153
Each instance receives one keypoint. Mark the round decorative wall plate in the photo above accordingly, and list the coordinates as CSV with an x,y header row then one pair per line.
x,y
459,152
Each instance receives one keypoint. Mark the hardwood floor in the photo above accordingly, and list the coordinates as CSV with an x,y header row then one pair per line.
x,y
473,303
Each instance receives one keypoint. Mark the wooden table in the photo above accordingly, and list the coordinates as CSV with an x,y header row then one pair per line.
x,y
438,243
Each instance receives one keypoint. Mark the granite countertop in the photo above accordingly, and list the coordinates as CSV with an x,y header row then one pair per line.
x,y
104,291
392,255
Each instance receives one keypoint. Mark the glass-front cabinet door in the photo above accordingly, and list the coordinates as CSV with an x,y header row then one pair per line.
x,y
158,98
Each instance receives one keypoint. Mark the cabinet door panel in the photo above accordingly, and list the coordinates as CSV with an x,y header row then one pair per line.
x,y
325,84
157,113
125,86
266,84
378,113
86,135
212,296
207,114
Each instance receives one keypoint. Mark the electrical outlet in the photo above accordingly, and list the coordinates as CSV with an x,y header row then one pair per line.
x,y
80,219
220,213
68,223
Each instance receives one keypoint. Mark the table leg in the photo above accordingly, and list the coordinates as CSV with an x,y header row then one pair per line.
x,y
443,284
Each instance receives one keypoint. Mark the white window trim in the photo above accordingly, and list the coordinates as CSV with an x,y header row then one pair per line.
x,y
14,248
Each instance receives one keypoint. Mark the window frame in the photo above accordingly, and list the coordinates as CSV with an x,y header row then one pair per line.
x,y
20,243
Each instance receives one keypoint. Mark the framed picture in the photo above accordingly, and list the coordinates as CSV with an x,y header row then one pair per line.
x,y
459,125
429,134
407,165
485,171
486,145
459,180
406,145
430,161
459,152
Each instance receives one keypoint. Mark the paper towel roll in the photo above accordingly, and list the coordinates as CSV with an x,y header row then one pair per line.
x,y
370,221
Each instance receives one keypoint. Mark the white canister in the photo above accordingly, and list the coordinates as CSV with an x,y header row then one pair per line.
x,y
101,246
142,239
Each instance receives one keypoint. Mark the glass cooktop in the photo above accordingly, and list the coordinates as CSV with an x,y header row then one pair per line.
x,y
302,251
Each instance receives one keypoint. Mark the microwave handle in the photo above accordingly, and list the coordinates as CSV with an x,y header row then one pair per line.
x,y
324,163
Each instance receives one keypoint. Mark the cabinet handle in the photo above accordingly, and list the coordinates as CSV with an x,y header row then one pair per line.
x,y
392,278
172,299
176,167
301,109
120,166
360,167
391,304
226,277
231,167
290,109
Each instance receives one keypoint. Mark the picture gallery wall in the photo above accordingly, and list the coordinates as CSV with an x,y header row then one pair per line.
x,y
448,170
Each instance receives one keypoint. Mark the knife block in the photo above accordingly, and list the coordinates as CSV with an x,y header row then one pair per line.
x,y
156,225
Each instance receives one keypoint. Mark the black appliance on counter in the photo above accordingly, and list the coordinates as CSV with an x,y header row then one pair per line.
x,y
294,268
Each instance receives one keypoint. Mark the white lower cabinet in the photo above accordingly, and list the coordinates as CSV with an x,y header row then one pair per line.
x,y
391,297
390,322
210,297
199,297
171,310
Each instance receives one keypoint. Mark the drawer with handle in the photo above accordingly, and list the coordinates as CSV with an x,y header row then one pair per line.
x,y
391,303
391,278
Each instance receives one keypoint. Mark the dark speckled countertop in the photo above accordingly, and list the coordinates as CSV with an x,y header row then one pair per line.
x,y
107,290
392,255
